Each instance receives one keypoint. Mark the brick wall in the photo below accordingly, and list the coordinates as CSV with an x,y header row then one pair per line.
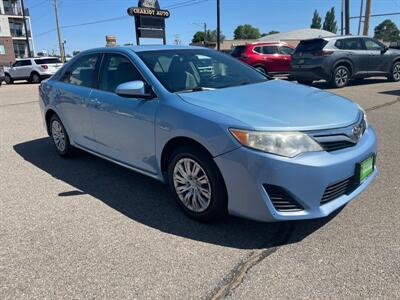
x,y
5,59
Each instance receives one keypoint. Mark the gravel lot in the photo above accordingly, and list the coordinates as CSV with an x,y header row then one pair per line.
x,y
85,228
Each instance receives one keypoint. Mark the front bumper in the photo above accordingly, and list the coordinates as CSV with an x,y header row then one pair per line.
x,y
306,177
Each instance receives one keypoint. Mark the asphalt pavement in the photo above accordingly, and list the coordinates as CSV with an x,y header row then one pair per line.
x,y
85,228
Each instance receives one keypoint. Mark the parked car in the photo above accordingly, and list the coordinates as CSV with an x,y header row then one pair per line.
x,y
342,58
32,69
1,75
268,58
225,140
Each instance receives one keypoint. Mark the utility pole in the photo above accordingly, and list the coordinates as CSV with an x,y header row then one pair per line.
x,y
342,18
218,24
205,34
26,29
367,17
360,20
347,16
60,43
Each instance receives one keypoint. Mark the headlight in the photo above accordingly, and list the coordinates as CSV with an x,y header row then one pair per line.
x,y
364,116
289,144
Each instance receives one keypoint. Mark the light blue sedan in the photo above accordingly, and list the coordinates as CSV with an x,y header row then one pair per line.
x,y
222,135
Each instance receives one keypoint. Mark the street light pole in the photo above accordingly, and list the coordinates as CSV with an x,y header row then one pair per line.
x,y
60,43
218,24
360,20
205,34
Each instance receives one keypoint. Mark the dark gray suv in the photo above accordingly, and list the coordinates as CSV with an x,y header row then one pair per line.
x,y
341,58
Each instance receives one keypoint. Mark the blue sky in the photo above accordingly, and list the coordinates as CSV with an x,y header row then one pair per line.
x,y
281,15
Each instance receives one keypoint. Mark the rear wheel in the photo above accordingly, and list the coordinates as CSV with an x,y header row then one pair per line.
x,y
340,77
305,82
8,79
35,78
60,137
197,184
395,74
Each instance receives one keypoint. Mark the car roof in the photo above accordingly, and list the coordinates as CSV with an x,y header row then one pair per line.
x,y
41,57
335,37
142,48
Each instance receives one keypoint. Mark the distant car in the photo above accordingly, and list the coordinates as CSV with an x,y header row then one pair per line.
x,y
222,135
1,75
268,58
32,69
339,59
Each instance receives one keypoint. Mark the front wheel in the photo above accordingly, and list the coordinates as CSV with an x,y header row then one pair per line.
x,y
197,184
60,137
340,77
395,74
8,79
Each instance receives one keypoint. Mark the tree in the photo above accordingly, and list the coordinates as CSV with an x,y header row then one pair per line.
x,y
269,33
330,21
387,31
316,20
211,36
75,52
246,31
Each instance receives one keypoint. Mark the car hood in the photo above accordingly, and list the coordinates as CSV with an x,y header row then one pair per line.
x,y
278,105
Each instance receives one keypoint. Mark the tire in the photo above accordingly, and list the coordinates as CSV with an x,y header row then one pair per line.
x,y
261,69
340,77
305,82
8,79
395,72
60,137
35,78
203,196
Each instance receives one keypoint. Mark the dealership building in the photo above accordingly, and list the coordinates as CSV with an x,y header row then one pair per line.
x,y
13,42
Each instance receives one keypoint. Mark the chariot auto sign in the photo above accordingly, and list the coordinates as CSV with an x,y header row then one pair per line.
x,y
149,20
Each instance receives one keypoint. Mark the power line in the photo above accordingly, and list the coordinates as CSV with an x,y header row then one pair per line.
x,y
182,4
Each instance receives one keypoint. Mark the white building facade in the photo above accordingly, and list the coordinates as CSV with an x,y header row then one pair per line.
x,y
13,42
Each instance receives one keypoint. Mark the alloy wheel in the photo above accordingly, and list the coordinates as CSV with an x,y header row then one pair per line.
x,y
261,70
396,72
58,135
192,185
341,77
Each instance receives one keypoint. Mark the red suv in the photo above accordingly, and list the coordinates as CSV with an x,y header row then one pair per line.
x,y
269,58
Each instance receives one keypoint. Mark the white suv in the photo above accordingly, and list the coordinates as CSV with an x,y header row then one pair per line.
x,y
32,69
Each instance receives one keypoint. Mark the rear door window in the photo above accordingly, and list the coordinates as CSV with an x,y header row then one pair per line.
x,y
311,46
349,44
82,72
270,50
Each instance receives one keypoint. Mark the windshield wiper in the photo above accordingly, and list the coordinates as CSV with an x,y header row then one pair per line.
x,y
196,89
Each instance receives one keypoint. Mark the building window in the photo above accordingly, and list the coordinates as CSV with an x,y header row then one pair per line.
x,y
2,49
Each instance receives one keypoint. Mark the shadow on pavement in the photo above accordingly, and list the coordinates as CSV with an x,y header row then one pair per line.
x,y
149,202
393,92
356,82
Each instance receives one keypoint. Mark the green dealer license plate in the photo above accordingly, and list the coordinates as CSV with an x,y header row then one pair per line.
x,y
366,168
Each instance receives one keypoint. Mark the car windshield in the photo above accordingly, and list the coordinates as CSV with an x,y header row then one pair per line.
x,y
198,69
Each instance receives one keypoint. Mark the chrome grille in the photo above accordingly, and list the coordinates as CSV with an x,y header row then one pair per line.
x,y
281,199
340,138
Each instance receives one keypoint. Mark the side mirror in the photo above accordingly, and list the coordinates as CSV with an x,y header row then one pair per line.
x,y
133,89
385,49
